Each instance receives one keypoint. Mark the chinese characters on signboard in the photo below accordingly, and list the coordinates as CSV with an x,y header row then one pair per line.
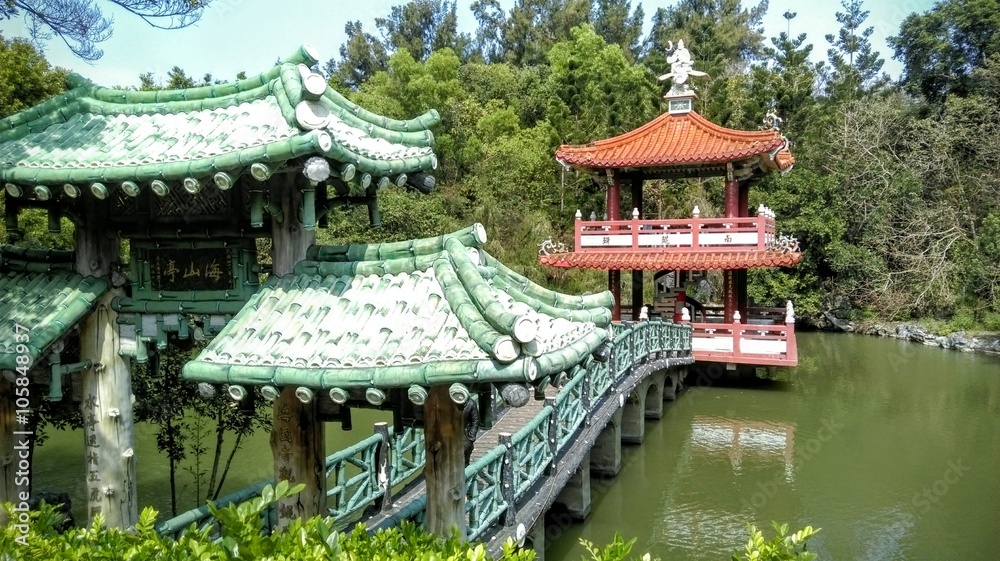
x,y
190,269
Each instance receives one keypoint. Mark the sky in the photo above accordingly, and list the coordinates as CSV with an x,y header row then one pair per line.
x,y
250,35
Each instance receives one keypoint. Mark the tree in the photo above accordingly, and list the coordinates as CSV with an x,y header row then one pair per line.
x,y
855,69
722,35
941,48
360,57
26,78
422,27
488,42
613,21
81,24
596,91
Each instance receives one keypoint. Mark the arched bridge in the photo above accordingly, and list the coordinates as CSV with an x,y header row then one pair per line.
x,y
530,458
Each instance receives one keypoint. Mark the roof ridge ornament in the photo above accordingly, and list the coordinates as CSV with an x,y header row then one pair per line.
x,y
773,121
680,95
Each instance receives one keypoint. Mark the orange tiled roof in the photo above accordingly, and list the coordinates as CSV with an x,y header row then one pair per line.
x,y
680,139
670,261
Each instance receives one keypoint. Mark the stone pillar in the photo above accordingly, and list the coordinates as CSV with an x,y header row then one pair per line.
x,y
298,437
535,539
654,395
633,429
670,384
108,428
575,496
606,455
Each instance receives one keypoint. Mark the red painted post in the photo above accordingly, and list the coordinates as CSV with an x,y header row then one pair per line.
x,y
732,198
613,198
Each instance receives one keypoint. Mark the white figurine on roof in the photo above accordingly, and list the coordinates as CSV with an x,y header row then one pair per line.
x,y
680,64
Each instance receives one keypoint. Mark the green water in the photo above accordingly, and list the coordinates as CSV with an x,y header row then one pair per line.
x,y
59,464
892,448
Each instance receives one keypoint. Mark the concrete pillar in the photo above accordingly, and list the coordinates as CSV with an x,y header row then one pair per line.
x,y
654,395
535,539
670,385
575,496
634,415
606,455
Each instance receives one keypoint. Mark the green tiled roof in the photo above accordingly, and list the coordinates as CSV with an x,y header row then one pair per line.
x,y
432,311
40,292
94,134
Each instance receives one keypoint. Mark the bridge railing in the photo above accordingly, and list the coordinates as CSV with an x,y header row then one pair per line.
x,y
353,481
501,477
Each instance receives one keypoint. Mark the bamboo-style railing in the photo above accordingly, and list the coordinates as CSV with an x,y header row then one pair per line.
x,y
497,481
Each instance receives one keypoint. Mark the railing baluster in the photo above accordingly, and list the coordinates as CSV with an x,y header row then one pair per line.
x,y
507,480
553,434
383,459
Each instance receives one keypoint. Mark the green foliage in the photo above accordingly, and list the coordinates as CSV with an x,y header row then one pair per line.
x,y
942,48
26,78
782,547
241,536
617,550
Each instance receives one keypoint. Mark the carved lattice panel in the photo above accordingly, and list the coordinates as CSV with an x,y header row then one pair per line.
x,y
178,202
125,206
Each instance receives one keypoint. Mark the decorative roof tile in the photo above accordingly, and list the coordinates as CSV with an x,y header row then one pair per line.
x,y
94,134
670,261
432,311
679,140
40,293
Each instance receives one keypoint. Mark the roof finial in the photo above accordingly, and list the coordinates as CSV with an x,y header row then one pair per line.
x,y
680,68
773,121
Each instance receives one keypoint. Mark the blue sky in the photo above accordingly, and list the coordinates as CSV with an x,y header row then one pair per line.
x,y
249,35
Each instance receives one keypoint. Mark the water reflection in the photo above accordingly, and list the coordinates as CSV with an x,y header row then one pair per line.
x,y
763,440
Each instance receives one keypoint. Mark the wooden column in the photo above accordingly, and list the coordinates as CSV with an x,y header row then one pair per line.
x,y
298,437
612,202
636,183
444,472
742,300
108,430
730,290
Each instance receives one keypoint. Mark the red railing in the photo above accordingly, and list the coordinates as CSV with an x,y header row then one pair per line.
x,y
741,343
690,234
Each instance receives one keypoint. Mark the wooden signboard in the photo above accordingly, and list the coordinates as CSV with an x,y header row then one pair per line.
x,y
190,269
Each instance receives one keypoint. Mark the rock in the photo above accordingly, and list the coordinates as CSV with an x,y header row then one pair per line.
x,y
837,323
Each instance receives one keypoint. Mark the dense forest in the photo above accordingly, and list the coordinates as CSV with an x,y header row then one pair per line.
x,y
894,196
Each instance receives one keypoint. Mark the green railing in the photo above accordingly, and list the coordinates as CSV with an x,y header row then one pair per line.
x,y
353,479
366,473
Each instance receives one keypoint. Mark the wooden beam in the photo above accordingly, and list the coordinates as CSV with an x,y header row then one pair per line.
x,y
444,472
108,428
298,437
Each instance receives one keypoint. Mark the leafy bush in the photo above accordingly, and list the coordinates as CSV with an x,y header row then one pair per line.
x,y
241,538
782,547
